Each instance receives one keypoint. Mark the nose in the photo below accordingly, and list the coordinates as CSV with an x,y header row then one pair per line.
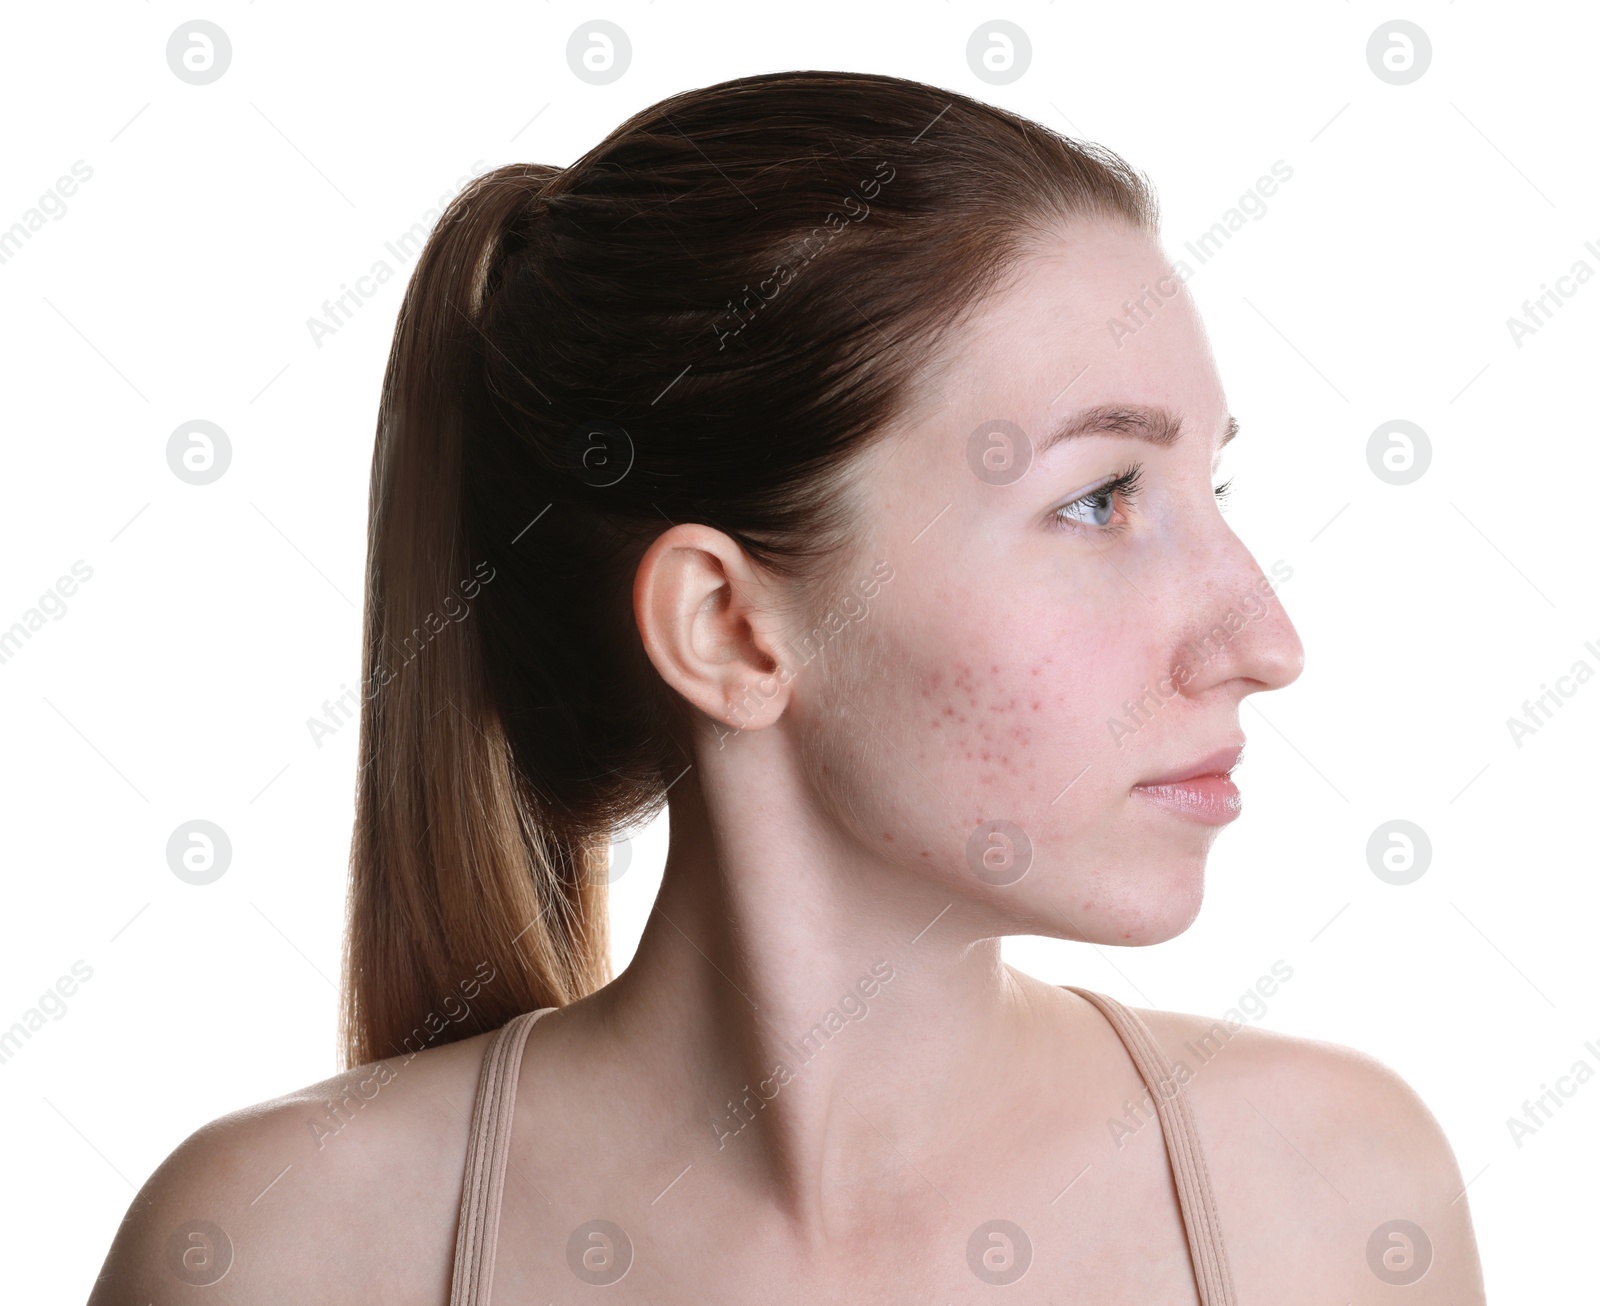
x,y
1234,626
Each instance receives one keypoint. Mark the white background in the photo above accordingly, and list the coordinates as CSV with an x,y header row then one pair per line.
x,y
1377,285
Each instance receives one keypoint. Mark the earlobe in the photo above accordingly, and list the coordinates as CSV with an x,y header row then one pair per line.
x,y
703,611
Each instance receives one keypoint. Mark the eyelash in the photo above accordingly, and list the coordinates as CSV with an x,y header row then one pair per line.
x,y
1128,485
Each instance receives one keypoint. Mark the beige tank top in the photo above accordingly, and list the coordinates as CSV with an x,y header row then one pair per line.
x,y
490,1143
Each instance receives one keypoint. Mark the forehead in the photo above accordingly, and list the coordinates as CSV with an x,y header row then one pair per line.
x,y
1093,314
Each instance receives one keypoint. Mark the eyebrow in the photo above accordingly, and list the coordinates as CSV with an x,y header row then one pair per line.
x,y
1152,424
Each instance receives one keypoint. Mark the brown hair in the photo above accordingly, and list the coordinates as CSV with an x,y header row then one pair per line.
x,y
704,318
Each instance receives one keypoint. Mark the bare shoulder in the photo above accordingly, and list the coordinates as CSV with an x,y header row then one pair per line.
x,y
347,1190
1329,1168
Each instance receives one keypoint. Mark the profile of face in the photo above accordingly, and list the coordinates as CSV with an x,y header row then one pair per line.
x,y
974,726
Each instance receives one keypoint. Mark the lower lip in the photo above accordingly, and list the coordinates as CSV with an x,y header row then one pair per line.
x,y
1209,799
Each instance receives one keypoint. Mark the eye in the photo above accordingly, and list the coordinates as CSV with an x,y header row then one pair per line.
x,y
1092,512
1098,505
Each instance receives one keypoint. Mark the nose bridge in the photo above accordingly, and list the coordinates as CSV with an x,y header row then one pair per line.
x,y
1233,622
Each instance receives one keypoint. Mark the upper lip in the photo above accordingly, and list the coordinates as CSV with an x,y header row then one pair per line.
x,y
1218,763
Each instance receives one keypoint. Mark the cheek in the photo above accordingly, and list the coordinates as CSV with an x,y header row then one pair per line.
x,y
1011,717
977,715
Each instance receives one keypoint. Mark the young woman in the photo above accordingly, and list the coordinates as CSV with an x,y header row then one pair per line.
x,y
830,458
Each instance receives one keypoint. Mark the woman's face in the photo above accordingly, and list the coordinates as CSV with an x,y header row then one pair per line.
x,y
1046,645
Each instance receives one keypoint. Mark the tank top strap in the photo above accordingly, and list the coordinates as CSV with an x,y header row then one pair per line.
x,y
1207,1254
487,1149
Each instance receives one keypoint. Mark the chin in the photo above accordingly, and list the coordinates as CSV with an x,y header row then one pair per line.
x,y
1131,905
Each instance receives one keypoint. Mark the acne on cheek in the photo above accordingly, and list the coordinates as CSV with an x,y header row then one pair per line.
x,y
1000,722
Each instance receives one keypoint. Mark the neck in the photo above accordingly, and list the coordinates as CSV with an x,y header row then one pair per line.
x,y
820,1015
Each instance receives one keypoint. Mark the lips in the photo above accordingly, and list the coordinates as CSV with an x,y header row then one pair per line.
x,y
1218,763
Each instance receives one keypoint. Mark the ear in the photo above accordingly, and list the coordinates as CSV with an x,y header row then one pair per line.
x,y
710,622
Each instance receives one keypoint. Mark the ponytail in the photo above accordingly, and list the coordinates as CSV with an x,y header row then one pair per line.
x,y
468,903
